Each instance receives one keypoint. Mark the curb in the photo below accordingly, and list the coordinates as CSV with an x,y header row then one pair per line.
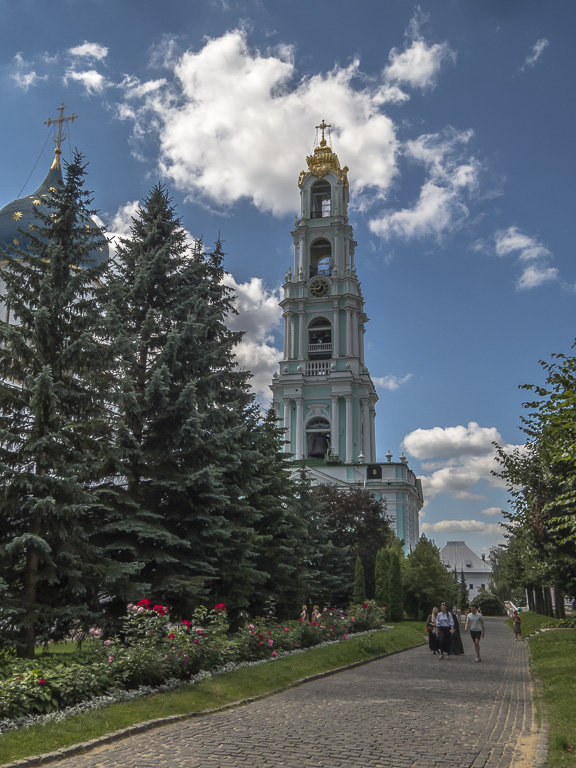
x,y
542,741
148,725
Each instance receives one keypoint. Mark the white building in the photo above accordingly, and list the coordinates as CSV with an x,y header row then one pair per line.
x,y
477,571
323,393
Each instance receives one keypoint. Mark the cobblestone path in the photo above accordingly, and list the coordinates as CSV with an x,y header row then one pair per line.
x,y
409,710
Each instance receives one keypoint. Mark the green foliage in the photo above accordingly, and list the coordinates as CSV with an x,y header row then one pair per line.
x,y
490,605
396,601
359,593
381,581
426,580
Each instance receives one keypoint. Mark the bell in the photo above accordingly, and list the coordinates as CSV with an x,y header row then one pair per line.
x,y
318,447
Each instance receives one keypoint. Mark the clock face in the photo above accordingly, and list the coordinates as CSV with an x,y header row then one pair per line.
x,y
319,287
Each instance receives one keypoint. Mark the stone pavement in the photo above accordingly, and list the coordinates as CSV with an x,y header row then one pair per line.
x,y
409,710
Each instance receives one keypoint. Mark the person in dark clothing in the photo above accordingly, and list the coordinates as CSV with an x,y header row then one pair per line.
x,y
445,627
456,646
431,629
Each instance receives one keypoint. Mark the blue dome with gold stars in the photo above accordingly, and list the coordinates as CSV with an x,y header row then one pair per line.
x,y
19,217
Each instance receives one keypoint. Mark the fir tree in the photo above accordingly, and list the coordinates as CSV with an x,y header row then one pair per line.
x,y
359,593
396,601
52,420
381,581
186,419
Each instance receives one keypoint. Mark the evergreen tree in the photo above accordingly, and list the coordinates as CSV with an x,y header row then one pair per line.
x,y
396,602
359,594
186,419
381,578
426,580
53,420
463,594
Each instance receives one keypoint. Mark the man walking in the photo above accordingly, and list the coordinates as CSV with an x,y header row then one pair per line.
x,y
475,623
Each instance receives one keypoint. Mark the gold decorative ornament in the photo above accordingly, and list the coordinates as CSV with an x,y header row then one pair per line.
x,y
324,160
319,288
17,215
36,202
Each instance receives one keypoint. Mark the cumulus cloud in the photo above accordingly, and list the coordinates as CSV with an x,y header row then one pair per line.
x,y
526,249
89,51
492,511
391,382
446,442
419,65
450,176
513,241
533,277
461,526
456,458
259,318
24,75
92,80
537,51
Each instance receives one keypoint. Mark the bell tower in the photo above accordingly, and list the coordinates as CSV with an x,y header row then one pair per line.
x,y
323,393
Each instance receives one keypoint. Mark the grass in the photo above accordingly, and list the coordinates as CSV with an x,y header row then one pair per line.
x,y
209,694
553,661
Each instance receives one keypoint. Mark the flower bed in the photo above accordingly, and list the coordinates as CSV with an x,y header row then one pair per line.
x,y
152,649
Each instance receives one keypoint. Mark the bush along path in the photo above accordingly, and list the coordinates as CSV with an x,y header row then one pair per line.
x,y
152,651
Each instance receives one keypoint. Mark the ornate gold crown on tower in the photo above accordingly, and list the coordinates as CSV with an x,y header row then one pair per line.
x,y
324,160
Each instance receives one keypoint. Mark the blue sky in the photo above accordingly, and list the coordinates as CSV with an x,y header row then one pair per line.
x,y
454,119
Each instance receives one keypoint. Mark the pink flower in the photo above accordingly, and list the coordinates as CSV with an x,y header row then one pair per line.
x,y
344,637
110,659
270,643
274,654
107,642
250,626
185,623
364,605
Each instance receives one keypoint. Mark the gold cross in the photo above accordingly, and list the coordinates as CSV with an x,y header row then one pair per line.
x,y
60,120
323,125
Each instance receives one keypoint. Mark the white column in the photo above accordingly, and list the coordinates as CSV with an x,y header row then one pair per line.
x,y
349,433
354,344
287,424
299,431
348,332
335,424
302,351
372,433
286,335
336,339
362,332
365,429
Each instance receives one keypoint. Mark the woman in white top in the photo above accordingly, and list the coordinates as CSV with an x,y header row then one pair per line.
x,y
445,628
475,623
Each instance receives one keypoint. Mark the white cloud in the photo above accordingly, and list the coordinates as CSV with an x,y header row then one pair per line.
x,y
533,277
492,511
419,65
24,76
537,51
391,382
92,81
89,51
461,526
451,175
446,442
258,316
526,248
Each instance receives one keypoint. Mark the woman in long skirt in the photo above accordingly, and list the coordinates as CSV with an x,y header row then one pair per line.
x,y
431,629
445,627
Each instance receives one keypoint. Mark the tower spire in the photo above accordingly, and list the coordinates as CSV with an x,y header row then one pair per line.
x,y
60,136
323,125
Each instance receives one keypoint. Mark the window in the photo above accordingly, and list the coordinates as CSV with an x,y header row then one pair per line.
x,y
320,339
317,438
320,200
320,257
470,586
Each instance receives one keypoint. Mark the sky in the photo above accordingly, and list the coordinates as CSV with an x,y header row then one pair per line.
x,y
456,122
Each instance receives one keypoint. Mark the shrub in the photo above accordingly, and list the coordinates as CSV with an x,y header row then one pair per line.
x,y
490,605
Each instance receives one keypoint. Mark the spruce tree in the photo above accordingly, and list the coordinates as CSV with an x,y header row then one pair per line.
x,y
396,604
359,594
52,420
381,577
186,419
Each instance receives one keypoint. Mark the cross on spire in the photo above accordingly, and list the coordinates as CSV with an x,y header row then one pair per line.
x,y
59,138
323,125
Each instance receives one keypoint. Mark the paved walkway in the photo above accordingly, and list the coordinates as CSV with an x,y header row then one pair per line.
x,y
409,710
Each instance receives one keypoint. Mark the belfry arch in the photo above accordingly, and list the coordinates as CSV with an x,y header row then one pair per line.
x,y
320,199
320,257
317,438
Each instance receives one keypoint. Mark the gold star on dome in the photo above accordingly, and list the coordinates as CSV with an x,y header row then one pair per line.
x,y
36,202
16,241
17,215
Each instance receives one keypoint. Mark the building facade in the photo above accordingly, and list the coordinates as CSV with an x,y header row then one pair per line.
x,y
477,571
323,393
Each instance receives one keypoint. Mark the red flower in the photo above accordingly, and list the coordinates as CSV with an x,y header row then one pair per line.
x,y
220,607
364,605
171,636
161,610
41,682
144,603
185,622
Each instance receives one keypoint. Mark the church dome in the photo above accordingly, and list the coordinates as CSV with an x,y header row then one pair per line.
x,y
20,216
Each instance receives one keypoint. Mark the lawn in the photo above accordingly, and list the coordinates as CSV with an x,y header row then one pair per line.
x,y
215,692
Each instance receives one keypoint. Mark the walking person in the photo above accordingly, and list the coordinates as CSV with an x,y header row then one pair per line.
x,y
475,623
431,629
517,626
456,647
445,627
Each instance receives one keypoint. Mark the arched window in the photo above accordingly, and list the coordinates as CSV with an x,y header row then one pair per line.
x,y
320,339
317,438
320,257
320,199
